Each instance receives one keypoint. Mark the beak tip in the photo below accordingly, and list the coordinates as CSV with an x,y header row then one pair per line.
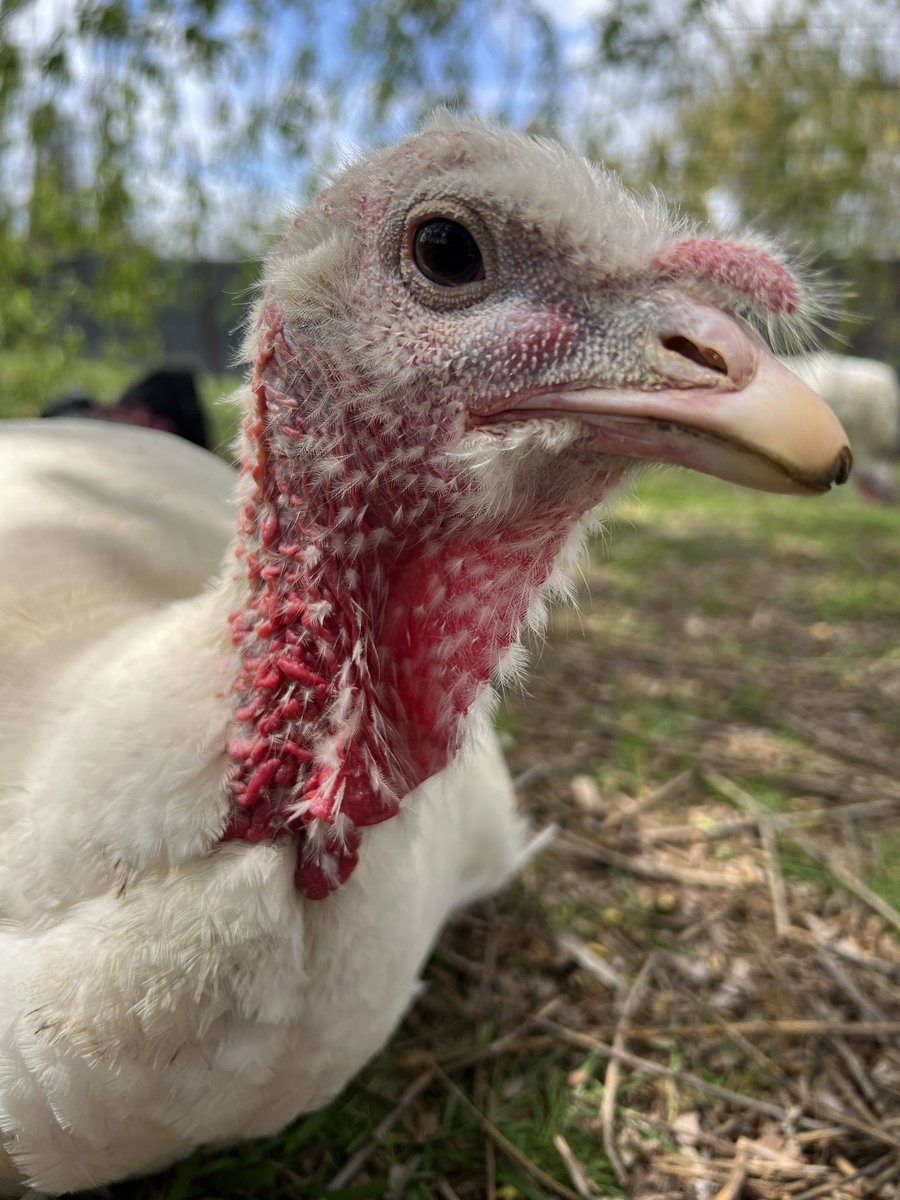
x,y
842,466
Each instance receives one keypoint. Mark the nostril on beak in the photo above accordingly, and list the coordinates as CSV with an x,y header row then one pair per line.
x,y
704,356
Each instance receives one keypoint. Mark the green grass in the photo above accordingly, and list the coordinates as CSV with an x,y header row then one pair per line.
x,y
884,876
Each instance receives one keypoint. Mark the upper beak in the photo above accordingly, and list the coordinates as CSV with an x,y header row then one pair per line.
x,y
723,405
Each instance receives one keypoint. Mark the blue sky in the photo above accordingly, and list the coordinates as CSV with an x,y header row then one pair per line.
x,y
255,191
247,194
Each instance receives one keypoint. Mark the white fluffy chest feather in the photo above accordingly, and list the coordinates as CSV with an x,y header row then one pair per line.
x,y
156,996
212,1003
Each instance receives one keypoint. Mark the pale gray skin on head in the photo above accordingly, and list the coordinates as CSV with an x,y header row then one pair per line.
x,y
571,294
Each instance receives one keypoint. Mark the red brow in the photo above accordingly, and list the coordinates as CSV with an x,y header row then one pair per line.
x,y
753,273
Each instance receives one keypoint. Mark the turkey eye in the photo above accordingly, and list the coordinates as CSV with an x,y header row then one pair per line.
x,y
446,253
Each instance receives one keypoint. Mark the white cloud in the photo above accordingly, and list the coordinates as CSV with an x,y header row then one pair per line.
x,y
574,14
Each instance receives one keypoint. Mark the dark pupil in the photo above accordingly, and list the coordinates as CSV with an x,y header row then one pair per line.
x,y
447,253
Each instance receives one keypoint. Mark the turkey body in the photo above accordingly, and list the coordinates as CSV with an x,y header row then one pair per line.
x,y
157,995
244,770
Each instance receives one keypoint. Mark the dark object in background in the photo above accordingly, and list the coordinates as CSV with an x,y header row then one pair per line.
x,y
165,400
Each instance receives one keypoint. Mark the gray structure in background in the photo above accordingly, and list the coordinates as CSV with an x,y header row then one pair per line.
x,y
203,327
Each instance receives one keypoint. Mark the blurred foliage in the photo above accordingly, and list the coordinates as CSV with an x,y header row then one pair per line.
x,y
796,128
135,129
119,116
788,122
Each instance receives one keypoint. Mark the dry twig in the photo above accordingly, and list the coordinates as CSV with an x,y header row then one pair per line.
x,y
357,1161
667,791
592,962
503,1144
630,1006
580,1181
586,1042
648,868
675,834
853,1065
838,746
534,774
875,1168
733,1186
820,937
750,805
738,1099
845,876
788,1026
448,1192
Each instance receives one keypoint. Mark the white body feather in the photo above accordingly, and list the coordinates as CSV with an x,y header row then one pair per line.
x,y
180,995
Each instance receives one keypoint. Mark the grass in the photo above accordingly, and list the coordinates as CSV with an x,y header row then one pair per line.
x,y
755,634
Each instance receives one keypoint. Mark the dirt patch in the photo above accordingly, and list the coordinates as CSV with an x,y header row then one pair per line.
x,y
712,941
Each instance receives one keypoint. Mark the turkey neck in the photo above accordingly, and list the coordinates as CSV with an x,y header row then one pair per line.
x,y
376,606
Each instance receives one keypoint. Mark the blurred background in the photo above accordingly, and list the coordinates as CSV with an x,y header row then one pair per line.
x,y
716,737
149,147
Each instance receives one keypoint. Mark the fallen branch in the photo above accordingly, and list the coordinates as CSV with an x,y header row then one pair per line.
x,y
838,746
853,1065
585,1042
580,1181
666,791
876,1168
715,832
592,962
733,1186
738,1099
753,1052
841,872
649,868
448,1193
846,878
534,774
787,1026
820,937
750,805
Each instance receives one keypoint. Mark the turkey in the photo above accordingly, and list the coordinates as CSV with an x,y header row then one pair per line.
x,y
246,769
164,399
865,396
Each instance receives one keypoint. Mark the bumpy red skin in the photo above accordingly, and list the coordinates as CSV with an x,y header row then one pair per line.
x,y
369,622
742,269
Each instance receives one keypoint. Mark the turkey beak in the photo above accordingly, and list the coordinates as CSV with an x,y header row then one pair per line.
x,y
756,404
719,402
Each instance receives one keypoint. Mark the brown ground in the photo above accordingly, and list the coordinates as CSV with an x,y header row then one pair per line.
x,y
711,947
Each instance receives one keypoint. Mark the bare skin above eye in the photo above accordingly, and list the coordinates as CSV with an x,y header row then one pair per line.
x,y
246,767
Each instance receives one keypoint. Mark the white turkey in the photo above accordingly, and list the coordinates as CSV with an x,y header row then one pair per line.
x,y
245,776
